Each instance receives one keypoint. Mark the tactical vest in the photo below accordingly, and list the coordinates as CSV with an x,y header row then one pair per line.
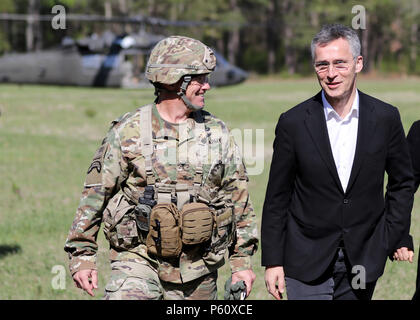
x,y
170,217
164,191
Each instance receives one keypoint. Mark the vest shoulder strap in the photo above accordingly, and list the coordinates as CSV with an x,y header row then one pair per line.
x,y
146,139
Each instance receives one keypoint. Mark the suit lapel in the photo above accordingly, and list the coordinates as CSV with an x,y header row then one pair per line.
x,y
366,129
317,126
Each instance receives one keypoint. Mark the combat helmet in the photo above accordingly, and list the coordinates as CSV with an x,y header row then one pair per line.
x,y
179,57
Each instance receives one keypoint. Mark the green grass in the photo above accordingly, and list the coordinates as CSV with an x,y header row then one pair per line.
x,y
48,135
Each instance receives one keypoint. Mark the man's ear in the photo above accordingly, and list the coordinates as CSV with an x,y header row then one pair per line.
x,y
359,64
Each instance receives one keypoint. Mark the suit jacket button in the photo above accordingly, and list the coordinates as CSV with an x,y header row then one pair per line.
x,y
346,201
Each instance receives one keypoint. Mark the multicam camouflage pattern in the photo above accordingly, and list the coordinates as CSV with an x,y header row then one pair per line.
x,y
176,56
123,175
137,279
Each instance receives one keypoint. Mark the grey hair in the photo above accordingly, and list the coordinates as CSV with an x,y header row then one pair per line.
x,y
333,32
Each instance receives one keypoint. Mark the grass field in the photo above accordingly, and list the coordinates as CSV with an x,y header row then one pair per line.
x,y
48,136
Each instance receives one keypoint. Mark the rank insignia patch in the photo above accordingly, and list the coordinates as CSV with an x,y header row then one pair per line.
x,y
94,176
96,164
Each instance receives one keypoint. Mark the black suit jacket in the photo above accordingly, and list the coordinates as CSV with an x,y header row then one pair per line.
x,y
306,212
413,139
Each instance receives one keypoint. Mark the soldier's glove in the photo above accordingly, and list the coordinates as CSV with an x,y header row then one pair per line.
x,y
236,291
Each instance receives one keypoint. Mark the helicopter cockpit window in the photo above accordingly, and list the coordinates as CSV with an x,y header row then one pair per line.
x,y
112,61
92,61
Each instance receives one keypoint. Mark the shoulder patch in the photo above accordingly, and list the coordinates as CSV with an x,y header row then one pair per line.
x,y
94,173
95,165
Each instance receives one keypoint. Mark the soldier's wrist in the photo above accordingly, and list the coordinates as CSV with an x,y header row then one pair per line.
x,y
78,265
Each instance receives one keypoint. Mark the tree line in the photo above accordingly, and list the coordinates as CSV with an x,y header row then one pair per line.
x,y
262,36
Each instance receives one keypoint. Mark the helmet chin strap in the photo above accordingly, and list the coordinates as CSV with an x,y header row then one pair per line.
x,y
182,91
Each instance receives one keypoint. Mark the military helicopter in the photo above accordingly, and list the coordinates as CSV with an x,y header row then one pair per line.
x,y
105,60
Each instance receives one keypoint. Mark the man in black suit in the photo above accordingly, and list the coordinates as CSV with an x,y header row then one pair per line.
x,y
327,228
413,139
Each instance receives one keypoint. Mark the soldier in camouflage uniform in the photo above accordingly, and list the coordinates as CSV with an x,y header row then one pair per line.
x,y
167,156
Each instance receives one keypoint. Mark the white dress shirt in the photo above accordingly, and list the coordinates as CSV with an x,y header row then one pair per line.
x,y
343,137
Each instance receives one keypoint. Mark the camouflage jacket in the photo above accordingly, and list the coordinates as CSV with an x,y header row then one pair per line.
x,y
118,167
